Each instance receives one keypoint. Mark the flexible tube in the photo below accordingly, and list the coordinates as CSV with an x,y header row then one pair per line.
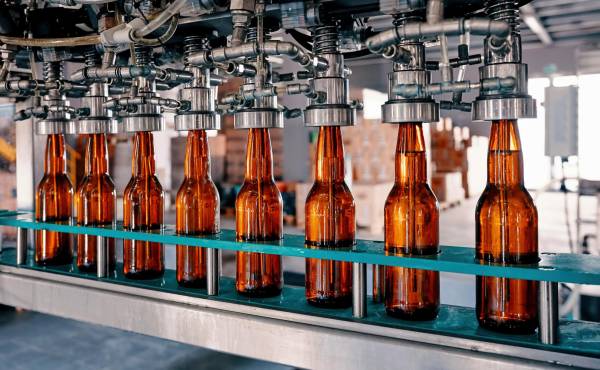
x,y
159,20
52,42
161,39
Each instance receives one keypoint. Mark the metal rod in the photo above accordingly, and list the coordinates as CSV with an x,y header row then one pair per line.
x,y
359,290
21,246
548,312
213,260
101,257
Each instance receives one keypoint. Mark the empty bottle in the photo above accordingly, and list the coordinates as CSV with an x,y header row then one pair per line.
x,y
330,223
506,232
197,209
143,211
54,203
95,202
411,228
259,217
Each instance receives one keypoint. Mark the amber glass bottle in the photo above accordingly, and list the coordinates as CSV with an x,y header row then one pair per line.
x,y
330,223
54,203
259,217
506,232
95,202
411,228
197,209
143,210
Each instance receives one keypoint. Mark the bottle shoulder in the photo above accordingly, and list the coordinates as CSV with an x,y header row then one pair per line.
x,y
55,182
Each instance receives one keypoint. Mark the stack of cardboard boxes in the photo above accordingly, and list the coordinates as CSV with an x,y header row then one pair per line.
x,y
449,161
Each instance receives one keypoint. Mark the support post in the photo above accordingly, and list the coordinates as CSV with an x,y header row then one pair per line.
x,y
548,312
359,290
21,246
213,260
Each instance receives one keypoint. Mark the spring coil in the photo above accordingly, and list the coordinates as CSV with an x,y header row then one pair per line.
x,y
504,10
142,55
91,57
193,44
325,39
408,17
53,71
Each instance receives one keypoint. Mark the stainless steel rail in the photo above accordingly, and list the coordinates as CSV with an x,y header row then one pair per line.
x,y
290,338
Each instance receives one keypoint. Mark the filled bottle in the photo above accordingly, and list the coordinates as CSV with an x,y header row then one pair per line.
x,y
259,217
506,232
197,209
330,223
54,203
411,228
143,211
95,202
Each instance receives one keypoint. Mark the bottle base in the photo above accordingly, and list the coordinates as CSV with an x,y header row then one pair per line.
x,y
144,275
91,267
330,302
509,326
415,314
55,261
262,292
192,283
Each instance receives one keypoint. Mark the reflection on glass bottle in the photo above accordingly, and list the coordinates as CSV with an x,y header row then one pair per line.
x,y
506,232
95,202
411,228
259,217
143,210
54,203
197,209
330,223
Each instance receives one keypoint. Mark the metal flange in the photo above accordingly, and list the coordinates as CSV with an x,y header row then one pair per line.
x,y
407,111
150,122
258,118
197,121
52,126
329,115
96,125
496,108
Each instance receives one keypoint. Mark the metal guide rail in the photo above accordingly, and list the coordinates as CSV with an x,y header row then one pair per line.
x,y
154,306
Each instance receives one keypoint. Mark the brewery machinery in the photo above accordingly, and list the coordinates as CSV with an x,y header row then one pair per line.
x,y
124,53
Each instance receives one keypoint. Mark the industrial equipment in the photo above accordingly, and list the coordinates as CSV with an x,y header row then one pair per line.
x,y
125,53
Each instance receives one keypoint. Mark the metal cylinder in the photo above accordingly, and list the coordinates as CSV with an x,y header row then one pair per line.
x,y
213,262
548,312
378,283
359,290
21,246
101,257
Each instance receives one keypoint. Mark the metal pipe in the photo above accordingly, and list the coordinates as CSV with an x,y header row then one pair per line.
x,y
101,257
52,42
451,27
359,290
548,312
83,2
93,73
213,260
21,246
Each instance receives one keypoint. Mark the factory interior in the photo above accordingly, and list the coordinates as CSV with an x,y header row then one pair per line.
x,y
325,184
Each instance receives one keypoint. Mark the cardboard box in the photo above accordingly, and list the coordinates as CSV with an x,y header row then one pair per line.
x,y
448,187
370,204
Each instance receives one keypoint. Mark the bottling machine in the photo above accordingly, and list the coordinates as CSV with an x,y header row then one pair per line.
x,y
124,53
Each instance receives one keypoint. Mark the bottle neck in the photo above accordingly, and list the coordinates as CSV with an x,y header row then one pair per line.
x,y
259,155
55,161
411,163
197,156
505,159
96,155
329,164
142,162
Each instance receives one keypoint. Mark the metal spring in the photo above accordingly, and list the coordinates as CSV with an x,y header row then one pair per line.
x,y
251,35
408,17
192,44
53,71
504,10
325,39
142,55
92,58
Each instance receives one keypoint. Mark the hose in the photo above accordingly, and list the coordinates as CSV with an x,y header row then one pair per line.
x,y
159,20
52,42
161,39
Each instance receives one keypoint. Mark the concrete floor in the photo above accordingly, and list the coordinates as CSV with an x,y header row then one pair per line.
x,y
34,341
